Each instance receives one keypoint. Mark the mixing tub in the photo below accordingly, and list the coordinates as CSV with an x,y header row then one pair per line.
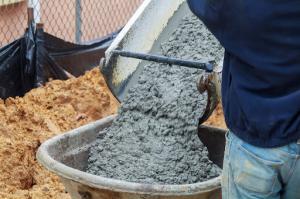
x,y
67,156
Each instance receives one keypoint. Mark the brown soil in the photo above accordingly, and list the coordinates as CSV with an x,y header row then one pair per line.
x,y
41,114
217,118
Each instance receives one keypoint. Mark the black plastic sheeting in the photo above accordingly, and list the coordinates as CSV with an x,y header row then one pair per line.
x,y
75,58
32,60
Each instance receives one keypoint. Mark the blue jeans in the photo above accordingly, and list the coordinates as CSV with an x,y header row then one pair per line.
x,y
250,172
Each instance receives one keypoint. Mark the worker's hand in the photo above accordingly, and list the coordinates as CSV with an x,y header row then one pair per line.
x,y
211,83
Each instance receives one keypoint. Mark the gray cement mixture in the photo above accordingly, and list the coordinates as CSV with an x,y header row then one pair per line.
x,y
154,137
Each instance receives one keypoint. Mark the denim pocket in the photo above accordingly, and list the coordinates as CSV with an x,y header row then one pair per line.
x,y
254,172
266,156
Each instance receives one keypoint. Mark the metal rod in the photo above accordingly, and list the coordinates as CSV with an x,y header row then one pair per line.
x,y
166,60
78,22
29,16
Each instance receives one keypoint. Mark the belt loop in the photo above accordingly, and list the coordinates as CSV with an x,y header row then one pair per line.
x,y
298,141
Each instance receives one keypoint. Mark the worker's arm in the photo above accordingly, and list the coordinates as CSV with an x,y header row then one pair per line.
x,y
209,11
261,66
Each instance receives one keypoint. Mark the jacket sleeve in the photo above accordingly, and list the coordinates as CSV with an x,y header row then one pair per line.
x,y
210,12
197,7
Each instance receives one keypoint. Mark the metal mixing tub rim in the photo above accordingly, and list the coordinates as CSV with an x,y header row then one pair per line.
x,y
95,181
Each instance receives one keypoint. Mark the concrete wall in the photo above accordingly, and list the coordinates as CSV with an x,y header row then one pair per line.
x,y
12,22
58,17
99,17
106,16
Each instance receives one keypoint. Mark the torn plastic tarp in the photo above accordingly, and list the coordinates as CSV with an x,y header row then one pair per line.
x,y
10,70
75,58
17,69
32,60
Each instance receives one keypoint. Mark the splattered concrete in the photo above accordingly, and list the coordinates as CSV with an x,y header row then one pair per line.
x,y
154,138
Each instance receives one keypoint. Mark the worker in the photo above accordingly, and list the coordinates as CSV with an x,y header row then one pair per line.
x,y
260,94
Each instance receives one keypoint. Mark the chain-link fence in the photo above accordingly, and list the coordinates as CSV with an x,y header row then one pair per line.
x,y
72,20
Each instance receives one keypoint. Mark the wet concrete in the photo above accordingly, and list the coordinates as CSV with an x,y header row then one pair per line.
x,y
154,138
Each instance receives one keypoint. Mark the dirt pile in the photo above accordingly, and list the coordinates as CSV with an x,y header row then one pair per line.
x,y
43,113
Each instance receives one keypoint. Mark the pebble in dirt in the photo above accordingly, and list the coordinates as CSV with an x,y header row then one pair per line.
x,y
154,137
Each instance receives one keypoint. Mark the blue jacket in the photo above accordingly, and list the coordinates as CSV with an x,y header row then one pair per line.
x,y
261,74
